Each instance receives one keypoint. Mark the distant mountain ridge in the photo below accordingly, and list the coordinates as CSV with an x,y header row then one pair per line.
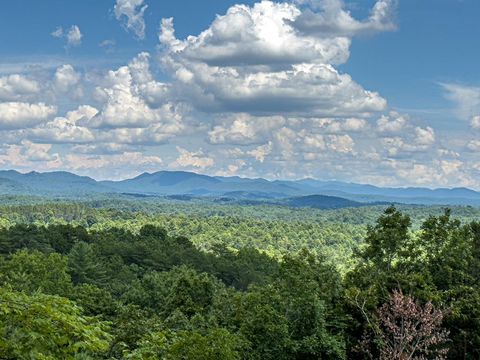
x,y
168,183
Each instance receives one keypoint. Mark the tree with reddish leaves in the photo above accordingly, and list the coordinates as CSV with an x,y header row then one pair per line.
x,y
406,330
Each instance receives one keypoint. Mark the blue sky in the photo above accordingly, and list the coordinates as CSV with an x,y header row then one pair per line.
x,y
385,92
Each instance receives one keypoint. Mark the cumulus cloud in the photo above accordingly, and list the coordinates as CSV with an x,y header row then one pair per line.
x,y
130,13
334,126
65,129
132,99
392,123
333,20
192,159
73,36
16,87
475,122
20,115
244,129
424,136
252,59
67,80
420,140
261,152
28,155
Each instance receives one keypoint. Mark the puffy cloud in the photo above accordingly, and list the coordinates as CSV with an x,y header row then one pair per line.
x,y
392,124
73,36
306,89
17,87
424,136
257,35
131,12
192,159
341,143
254,60
440,172
334,20
244,129
475,122
128,94
65,129
333,126
67,80
261,152
399,136
19,115
421,140
28,155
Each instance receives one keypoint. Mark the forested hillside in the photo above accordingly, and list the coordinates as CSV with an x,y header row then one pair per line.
x,y
86,282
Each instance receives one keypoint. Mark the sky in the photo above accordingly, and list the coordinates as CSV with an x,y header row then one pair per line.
x,y
385,92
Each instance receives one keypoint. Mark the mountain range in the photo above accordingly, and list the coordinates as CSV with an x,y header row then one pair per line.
x,y
171,183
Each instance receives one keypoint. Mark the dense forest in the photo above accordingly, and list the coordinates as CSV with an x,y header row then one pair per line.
x,y
139,280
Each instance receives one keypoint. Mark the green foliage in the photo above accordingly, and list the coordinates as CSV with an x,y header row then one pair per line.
x,y
215,344
32,271
180,289
84,266
206,281
47,327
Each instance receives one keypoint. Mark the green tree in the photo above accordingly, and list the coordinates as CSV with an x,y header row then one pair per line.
x,y
47,327
83,265
215,344
33,271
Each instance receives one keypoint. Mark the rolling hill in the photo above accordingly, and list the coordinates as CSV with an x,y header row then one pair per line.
x,y
168,183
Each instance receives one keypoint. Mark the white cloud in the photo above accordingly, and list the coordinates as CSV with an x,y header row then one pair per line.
x,y
28,155
253,60
424,136
244,129
192,159
20,115
66,80
334,20
132,99
261,152
341,143
466,99
73,36
333,126
474,145
392,124
16,87
58,32
65,129
418,140
131,12
475,122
